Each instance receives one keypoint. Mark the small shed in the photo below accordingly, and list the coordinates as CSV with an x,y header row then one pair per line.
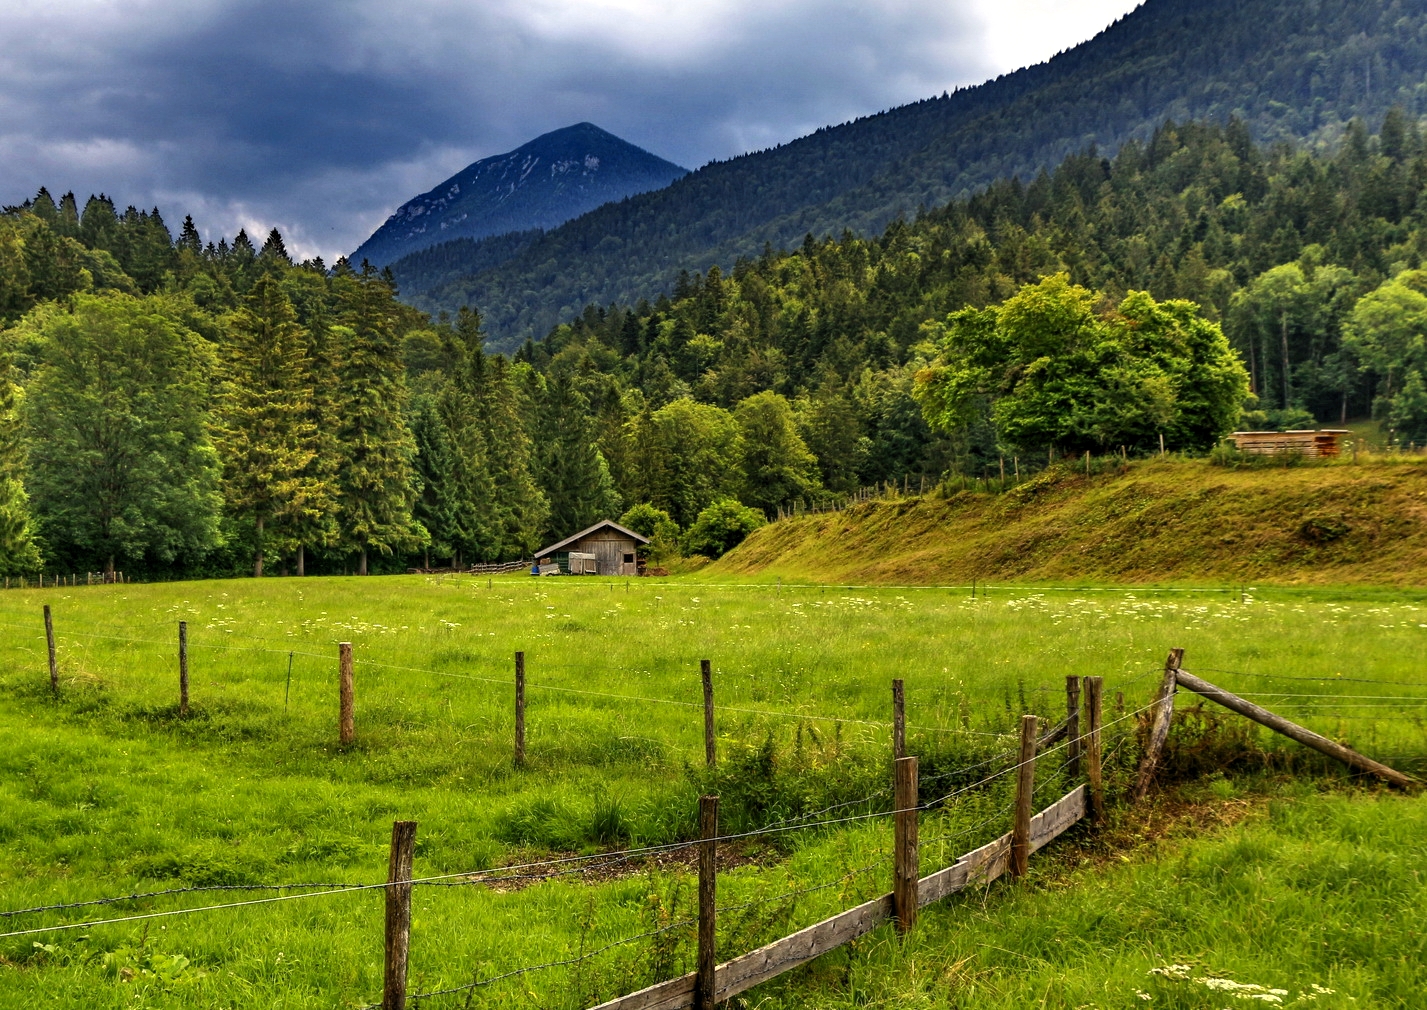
x,y
1323,442
606,548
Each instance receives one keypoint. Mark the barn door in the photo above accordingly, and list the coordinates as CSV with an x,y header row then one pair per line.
x,y
609,555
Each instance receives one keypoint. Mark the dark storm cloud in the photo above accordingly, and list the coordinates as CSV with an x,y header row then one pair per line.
x,y
321,117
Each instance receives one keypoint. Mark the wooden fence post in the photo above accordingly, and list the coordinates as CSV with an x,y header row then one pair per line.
x,y
50,641
899,721
183,668
1094,692
710,748
1159,732
906,865
398,914
1025,790
520,709
1072,726
347,722
704,995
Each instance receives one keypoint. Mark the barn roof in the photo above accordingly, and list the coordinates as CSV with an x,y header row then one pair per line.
x,y
584,533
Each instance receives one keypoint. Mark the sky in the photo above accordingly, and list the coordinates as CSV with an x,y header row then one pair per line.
x,y
320,118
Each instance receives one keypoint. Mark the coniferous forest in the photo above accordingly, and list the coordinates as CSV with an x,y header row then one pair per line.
x,y
179,407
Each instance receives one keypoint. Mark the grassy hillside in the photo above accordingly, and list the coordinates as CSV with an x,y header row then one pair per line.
x,y
1148,522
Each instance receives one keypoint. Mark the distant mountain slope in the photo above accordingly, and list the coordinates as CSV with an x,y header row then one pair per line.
x,y
1292,69
543,184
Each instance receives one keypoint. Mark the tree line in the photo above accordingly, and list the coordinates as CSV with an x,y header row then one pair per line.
x,y
175,406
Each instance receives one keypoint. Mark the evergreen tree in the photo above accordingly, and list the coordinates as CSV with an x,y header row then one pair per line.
x,y
267,437
377,481
573,473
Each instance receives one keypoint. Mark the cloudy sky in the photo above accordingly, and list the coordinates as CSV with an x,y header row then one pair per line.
x,y
321,117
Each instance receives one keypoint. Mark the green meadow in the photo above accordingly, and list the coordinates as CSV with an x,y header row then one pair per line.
x,y
106,791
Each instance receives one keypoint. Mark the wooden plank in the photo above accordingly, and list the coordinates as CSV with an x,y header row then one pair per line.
x,y
1294,731
1056,819
979,866
743,973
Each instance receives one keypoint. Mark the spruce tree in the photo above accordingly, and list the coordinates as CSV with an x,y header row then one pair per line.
x,y
573,473
378,484
267,436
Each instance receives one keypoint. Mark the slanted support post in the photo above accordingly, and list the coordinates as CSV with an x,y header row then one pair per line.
x,y
1159,731
704,995
1025,793
906,862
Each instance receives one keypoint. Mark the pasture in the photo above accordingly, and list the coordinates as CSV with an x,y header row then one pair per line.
x,y
106,791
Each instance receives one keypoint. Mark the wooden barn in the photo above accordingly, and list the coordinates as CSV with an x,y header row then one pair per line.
x,y
1324,442
606,548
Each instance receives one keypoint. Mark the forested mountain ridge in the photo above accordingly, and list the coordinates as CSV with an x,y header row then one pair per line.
x,y
1290,70
233,408
542,184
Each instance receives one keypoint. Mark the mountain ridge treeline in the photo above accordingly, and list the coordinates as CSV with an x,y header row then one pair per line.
x,y
797,375
1290,70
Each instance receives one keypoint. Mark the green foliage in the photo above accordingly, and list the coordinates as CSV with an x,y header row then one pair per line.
x,y
721,527
267,436
777,466
121,466
684,456
1057,373
658,526
378,485
19,553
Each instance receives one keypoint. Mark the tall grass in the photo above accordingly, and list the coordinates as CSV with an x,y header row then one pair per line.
x,y
107,791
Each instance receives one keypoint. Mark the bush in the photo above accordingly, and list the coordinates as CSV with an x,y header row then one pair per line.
x,y
658,526
721,527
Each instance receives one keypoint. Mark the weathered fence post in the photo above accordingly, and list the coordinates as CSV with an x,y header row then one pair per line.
x,y
710,748
520,709
899,721
704,995
1094,690
1159,732
906,865
50,641
1072,726
183,668
398,914
347,722
1025,791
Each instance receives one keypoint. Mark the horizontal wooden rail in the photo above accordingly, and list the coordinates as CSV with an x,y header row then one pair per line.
x,y
979,866
1294,731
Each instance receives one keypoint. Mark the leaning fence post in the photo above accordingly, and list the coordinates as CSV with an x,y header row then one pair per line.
x,y
704,995
710,750
347,724
50,641
520,709
1025,790
1159,732
899,721
906,865
1072,726
183,668
398,914
1094,691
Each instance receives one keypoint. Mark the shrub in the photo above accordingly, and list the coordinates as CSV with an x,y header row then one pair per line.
x,y
721,527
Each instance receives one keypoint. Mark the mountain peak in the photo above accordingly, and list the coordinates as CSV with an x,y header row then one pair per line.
x,y
541,184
